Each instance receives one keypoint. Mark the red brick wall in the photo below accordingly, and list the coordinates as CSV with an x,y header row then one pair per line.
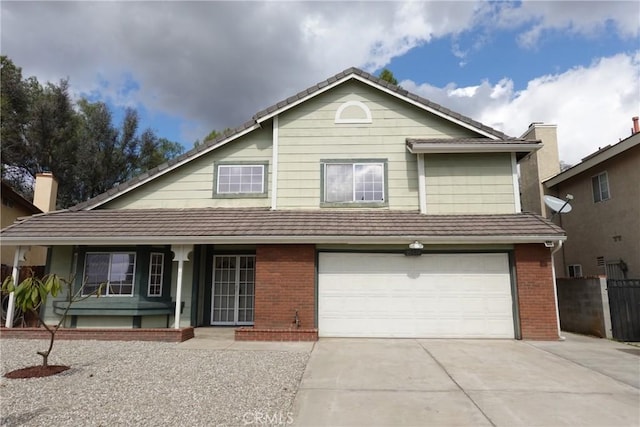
x,y
285,282
536,295
134,334
253,334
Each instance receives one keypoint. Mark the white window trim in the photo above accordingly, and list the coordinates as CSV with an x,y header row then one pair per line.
x,y
574,267
105,292
353,177
151,255
262,168
602,199
367,119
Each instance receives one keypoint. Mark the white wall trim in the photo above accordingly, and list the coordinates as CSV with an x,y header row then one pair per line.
x,y
422,186
367,113
516,184
274,165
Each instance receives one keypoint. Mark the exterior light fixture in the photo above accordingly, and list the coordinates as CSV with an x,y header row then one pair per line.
x,y
415,249
416,245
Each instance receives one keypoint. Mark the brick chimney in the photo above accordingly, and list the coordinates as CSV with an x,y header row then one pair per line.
x,y
45,192
636,126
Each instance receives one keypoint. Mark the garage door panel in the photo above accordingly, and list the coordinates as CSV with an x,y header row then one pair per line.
x,y
436,295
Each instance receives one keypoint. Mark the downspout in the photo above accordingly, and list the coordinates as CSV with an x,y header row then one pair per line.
x,y
555,288
422,187
19,256
274,166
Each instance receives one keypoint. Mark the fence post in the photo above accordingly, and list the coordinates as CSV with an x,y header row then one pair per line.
x,y
606,310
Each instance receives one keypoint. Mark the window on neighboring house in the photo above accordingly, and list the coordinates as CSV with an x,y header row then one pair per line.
x,y
116,270
156,272
575,270
600,184
615,271
361,182
235,179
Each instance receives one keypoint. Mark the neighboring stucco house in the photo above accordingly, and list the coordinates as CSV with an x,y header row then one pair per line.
x,y
604,224
15,206
352,209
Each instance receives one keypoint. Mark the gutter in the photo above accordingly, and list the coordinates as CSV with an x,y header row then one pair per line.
x,y
279,239
555,287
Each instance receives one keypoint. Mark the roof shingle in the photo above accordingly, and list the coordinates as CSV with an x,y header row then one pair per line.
x,y
258,224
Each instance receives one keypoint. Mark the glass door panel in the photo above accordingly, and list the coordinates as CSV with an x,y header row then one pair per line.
x,y
233,290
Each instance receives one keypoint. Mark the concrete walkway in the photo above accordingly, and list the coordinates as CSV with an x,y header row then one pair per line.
x,y
368,382
223,339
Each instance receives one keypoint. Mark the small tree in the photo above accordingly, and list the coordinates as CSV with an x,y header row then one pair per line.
x,y
32,293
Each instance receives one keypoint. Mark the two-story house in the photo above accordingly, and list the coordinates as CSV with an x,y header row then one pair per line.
x,y
604,224
351,209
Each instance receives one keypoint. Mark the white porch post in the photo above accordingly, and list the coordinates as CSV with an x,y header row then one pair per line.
x,y
19,256
180,254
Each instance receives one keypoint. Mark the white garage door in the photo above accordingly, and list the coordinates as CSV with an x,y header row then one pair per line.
x,y
430,296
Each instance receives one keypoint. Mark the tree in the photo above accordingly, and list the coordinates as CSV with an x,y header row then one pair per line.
x,y
155,151
388,76
43,130
211,136
37,128
32,293
14,109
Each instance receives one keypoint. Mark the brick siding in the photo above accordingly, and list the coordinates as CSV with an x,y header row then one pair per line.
x,y
138,334
253,334
536,294
285,282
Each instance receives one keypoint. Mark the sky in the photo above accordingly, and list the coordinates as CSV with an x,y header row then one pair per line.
x,y
191,67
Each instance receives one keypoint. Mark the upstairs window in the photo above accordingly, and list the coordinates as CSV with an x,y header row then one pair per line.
x,y
358,182
240,180
115,270
600,184
575,270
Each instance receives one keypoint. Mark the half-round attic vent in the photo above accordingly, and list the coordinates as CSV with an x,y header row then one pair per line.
x,y
353,112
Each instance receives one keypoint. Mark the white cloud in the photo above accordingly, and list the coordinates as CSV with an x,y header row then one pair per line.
x,y
217,63
587,103
585,18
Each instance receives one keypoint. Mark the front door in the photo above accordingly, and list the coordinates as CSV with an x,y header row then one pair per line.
x,y
233,289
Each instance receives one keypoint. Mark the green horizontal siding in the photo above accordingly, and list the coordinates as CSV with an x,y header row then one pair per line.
x,y
469,183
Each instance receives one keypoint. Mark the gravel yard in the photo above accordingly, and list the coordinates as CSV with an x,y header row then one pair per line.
x,y
148,383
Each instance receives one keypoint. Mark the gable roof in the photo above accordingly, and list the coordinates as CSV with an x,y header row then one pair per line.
x,y
284,105
262,225
595,159
11,194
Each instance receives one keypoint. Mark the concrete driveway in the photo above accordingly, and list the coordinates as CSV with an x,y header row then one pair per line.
x,y
384,382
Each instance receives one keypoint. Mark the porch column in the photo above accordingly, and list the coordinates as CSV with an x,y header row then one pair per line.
x,y
19,256
180,254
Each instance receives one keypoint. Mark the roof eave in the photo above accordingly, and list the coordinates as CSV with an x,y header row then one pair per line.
x,y
282,239
591,162
440,148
